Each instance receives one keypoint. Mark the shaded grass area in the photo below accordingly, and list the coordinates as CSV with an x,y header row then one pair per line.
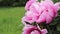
x,y
10,20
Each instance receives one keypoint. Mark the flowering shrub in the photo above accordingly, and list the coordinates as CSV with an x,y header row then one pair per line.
x,y
39,16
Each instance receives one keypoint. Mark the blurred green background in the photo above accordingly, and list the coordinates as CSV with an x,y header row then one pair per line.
x,y
11,12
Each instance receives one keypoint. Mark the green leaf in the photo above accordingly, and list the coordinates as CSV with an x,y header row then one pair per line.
x,y
58,27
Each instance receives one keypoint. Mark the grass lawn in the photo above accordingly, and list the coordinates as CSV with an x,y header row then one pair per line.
x,y
10,20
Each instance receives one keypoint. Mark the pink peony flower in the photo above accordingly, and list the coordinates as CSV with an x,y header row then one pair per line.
x,y
39,12
33,30
44,11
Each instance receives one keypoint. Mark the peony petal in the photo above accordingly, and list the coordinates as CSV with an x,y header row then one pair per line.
x,y
51,12
48,19
28,29
35,7
44,31
26,19
23,20
57,5
32,15
35,32
42,17
25,32
28,4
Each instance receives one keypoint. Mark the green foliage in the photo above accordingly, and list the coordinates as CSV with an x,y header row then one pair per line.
x,y
12,2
